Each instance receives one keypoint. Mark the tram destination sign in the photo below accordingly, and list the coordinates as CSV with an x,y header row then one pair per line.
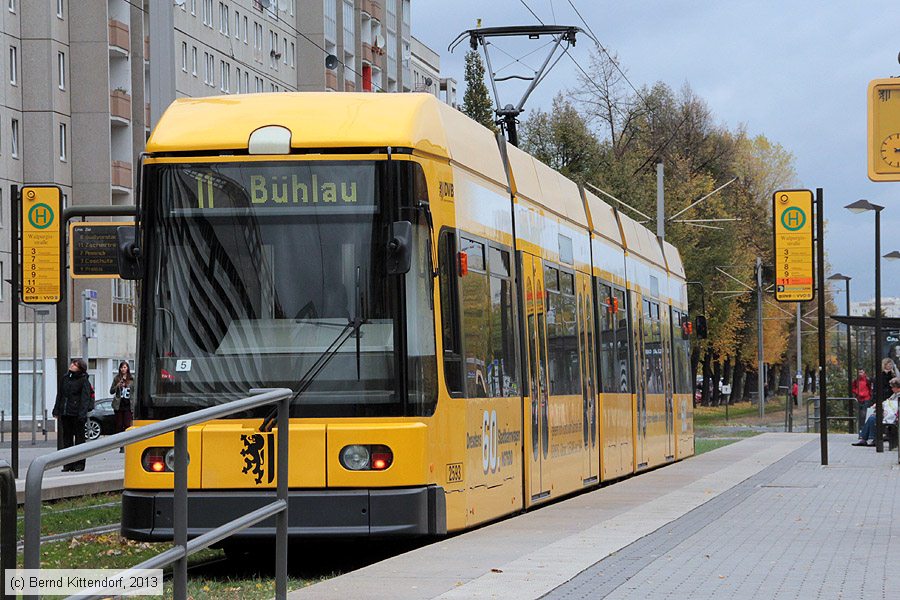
x,y
40,219
793,232
93,249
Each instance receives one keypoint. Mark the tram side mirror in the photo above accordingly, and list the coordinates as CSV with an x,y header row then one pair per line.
x,y
399,248
700,327
128,254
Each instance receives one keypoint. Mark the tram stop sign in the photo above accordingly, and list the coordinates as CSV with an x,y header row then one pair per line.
x,y
40,220
793,232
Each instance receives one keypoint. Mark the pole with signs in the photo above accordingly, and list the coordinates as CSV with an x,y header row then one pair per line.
x,y
89,321
793,236
820,278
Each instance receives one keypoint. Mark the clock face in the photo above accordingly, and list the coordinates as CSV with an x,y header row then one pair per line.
x,y
890,150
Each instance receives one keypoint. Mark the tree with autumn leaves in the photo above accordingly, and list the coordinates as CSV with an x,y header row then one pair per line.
x,y
611,136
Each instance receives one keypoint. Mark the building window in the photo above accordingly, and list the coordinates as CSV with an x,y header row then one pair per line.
x,y
184,56
246,82
13,65
62,142
211,68
292,53
194,61
331,20
225,84
257,36
61,64
284,53
223,18
245,29
14,140
123,301
208,13
12,6
194,7
59,9
206,68
237,25
237,75
2,273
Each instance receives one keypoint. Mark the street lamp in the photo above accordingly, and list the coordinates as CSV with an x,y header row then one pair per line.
x,y
861,206
846,279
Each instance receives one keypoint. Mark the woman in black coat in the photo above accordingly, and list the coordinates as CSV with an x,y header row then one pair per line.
x,y
74,399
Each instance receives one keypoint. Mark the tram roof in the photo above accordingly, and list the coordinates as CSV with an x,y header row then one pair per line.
x,y
640,240
329,120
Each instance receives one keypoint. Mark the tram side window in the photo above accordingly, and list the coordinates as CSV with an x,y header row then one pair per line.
x,y
476,318
450,333
681,353
650,325
502,371
562,332
615,349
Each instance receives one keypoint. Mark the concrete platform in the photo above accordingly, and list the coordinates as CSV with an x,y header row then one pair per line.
x,y
757,519
102,473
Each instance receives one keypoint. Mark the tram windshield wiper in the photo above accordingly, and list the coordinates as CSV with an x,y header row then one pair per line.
x,y
352,327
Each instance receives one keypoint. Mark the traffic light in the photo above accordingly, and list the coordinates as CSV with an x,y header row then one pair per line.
x,y
700,326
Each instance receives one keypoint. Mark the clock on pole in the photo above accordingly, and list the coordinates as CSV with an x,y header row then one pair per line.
x,y
884,129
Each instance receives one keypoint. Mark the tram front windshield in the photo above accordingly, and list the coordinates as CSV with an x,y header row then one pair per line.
x,y
255,270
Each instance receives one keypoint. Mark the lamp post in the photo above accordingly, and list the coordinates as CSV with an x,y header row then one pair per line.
x,y
895,256
846,279
861,206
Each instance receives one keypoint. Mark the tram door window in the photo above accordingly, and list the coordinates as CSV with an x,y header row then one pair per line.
x,y
653,361
615,345
503,377
450,330
562,337
588,363
476,311
666,336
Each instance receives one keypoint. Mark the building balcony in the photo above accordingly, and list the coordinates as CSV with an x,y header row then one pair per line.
x,y
373,8
119,38
331,80
367,53
121,174
120,105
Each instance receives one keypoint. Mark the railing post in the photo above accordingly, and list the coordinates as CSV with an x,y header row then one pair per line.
x,y
281,519
180,513
7,522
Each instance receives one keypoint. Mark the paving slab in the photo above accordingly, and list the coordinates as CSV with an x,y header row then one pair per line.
x,y
532,555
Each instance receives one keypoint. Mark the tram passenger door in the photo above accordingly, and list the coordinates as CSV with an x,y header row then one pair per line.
x,y
642,331
668,379
591,454
537,442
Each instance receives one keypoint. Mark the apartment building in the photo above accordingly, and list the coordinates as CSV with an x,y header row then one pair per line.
x,y
75,99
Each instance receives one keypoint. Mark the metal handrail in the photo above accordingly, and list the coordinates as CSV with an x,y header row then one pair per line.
x,y
8,507
814,401
182,549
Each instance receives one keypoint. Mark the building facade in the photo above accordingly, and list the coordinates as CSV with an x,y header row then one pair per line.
x,y
75,99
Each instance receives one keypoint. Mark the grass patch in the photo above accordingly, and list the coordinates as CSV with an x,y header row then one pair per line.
x,y
75,514
741,412
702,445
724,432
235,588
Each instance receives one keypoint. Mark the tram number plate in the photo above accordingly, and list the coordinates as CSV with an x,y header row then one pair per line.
x,y
454,473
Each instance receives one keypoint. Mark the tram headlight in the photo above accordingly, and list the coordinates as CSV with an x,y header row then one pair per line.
x,y
355,458
374,457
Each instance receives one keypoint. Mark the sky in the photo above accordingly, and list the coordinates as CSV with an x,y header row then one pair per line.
x,y
795,71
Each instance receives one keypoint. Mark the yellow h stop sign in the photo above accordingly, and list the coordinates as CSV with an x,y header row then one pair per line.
x,y
793,232
41,208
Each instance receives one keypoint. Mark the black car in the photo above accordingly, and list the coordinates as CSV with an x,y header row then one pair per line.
x,y
101,420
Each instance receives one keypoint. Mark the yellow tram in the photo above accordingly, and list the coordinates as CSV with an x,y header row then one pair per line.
x,y
516,338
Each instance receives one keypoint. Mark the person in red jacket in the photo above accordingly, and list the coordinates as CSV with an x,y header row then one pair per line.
x,y
862,391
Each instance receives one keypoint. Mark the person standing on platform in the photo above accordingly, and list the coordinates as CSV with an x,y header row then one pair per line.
x,y
862,391
888,372
74,400
121,389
